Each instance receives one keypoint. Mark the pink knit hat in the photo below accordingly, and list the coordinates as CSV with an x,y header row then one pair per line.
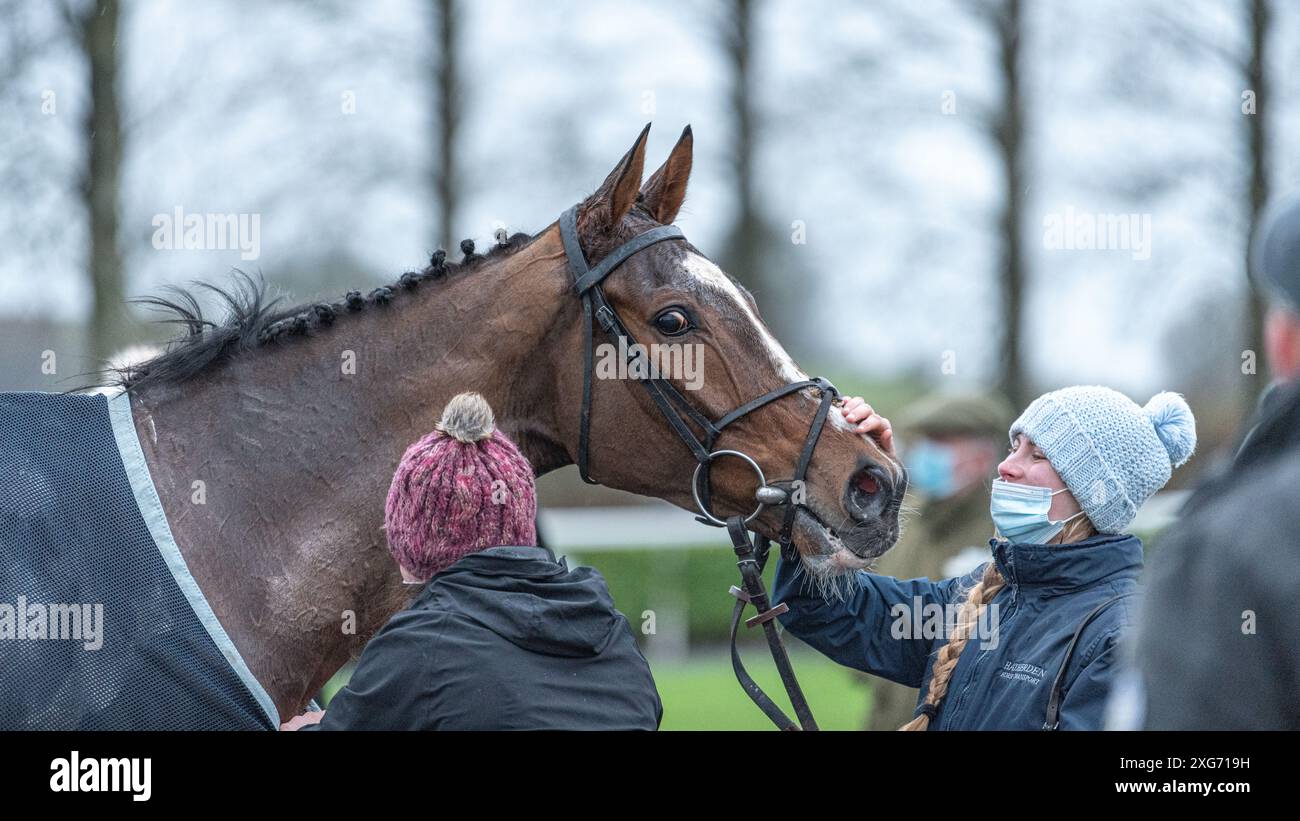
x,y
463,488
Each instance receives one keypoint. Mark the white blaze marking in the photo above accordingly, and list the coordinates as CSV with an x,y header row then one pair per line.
x,y
707,273
711,275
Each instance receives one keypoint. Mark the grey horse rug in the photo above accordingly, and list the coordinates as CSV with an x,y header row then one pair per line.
x,y
102,627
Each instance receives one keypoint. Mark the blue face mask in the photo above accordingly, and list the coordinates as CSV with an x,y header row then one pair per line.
x,y
930,468
1020,512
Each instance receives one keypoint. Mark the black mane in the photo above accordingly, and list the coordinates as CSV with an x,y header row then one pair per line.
x,y
252,320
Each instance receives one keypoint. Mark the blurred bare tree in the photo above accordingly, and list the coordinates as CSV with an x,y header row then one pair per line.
x,y
1260,148
90,30
999,113
1007,129
96,29
752,250
1233,38
449,99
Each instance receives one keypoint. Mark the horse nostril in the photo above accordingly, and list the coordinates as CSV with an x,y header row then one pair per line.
x,y
869,492
868,484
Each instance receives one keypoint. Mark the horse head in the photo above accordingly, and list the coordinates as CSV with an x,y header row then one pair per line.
x,y
682,308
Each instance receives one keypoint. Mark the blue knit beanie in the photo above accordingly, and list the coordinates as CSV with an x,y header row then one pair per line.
x,y
1110,453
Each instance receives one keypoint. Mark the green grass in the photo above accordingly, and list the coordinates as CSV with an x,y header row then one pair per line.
x,y
702,693
662,581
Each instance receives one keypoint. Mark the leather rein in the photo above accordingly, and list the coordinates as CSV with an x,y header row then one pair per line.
x,y
681,416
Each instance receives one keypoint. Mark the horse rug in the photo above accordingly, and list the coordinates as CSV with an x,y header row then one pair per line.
x,y
102,627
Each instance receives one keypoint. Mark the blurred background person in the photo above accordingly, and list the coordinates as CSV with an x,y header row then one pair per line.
x,y
952,444
1215,645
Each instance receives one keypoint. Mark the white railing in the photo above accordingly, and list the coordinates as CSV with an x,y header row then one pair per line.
x,y
660,526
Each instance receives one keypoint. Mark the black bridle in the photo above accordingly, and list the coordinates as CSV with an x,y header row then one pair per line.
x,y
681,416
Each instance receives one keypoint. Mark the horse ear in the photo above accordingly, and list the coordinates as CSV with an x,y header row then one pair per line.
x,y
616,195
665,191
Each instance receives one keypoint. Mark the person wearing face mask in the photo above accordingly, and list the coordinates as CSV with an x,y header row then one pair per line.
x,y
1030,639
500,635
954,443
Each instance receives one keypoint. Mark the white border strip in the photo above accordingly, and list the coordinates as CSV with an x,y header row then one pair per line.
x,y
146,498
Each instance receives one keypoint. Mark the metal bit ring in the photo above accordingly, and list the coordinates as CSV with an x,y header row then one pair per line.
x,y
695,485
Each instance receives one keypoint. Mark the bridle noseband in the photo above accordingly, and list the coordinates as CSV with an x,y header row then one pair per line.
x,y
681,415
678,412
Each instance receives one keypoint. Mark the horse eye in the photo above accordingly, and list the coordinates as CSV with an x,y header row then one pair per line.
x,y
673,322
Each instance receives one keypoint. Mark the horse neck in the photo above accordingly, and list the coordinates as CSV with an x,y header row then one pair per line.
x,y
295,451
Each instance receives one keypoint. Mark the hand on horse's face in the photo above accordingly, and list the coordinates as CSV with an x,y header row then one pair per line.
x,y
857,410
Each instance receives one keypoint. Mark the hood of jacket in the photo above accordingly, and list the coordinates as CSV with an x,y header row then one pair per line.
x,y
527,597
1276,428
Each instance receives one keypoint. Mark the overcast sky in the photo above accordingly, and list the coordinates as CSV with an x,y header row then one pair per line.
x,y
235,107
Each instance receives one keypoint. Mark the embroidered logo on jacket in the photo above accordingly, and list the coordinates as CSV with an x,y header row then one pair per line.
x,y
1022,671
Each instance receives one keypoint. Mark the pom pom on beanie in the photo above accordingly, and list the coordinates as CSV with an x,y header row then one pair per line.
x,y
1174,425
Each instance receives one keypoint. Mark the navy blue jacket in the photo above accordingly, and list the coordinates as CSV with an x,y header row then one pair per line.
x,y
507,638
1004,675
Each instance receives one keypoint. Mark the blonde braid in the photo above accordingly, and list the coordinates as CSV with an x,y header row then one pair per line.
x,y
1078,530
980,595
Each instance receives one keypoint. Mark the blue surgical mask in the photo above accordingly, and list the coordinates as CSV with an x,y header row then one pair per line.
x,y
930,468
1020,512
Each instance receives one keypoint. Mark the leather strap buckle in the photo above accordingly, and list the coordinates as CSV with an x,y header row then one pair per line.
x,y
766,615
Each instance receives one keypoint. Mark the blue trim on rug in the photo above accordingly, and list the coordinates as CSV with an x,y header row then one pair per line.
x,y
146,498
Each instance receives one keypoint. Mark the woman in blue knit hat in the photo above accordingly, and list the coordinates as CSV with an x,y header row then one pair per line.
x,y
1028,640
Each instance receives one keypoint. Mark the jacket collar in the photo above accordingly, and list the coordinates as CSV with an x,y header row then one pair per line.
x,y
511,559
1275,429
1054,569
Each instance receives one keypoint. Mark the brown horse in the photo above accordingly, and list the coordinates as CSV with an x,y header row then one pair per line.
x,y
294,421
